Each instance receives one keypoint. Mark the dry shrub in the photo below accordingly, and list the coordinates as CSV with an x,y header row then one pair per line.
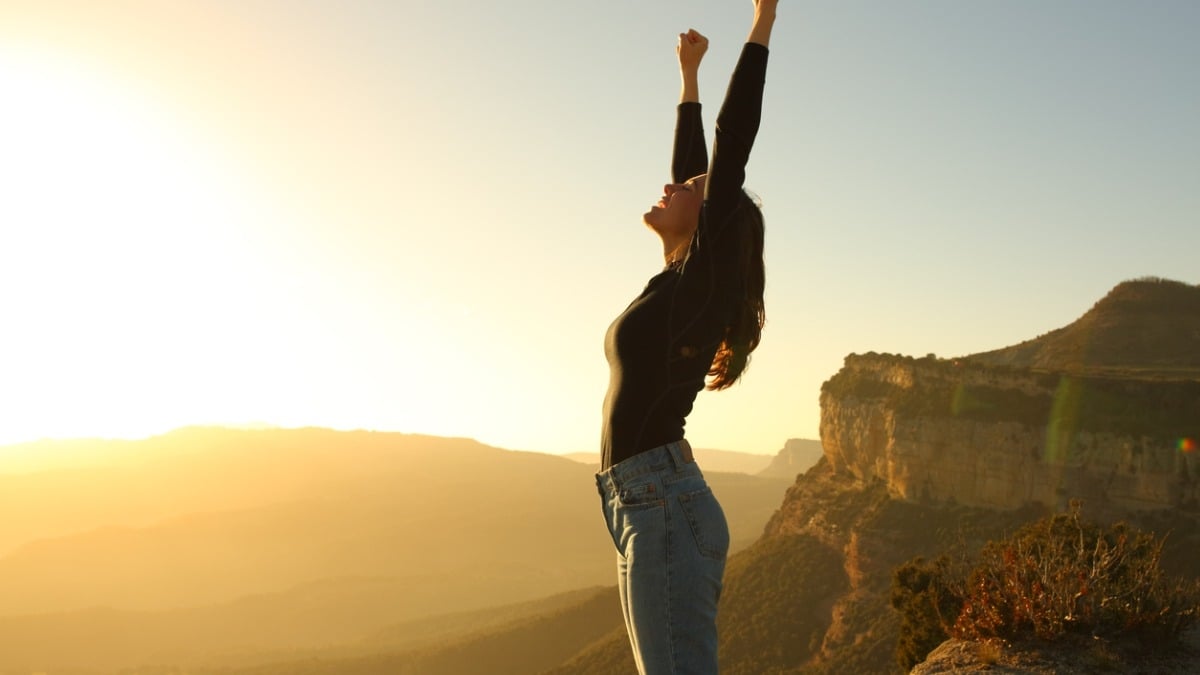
x,y
1058,577
1064,575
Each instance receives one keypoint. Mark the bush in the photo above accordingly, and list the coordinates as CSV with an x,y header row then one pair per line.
x,y
1057,577
926,605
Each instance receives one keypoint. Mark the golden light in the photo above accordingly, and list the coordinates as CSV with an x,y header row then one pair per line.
x,y
120,244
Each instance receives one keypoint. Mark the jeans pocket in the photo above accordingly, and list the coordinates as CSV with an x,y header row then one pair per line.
x,y
707,521
641,493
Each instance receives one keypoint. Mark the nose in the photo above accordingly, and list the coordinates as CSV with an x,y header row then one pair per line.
x,y
670,188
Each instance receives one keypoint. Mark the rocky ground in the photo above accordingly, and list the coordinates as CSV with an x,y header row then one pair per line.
x,y
1082,656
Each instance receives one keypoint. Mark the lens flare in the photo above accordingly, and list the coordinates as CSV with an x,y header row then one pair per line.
x,y
1064,419
1186,445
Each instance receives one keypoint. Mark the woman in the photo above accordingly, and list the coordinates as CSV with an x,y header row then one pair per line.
x,y
701,316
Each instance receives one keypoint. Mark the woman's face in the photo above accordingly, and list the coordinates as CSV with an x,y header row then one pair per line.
x,y
678,212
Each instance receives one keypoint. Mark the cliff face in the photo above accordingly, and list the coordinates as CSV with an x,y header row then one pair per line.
x,y
976,435
928,456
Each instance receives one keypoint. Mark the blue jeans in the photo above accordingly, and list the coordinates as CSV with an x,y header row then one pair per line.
x,y
671,539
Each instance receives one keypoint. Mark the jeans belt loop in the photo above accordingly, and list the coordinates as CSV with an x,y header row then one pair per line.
x,y
685,450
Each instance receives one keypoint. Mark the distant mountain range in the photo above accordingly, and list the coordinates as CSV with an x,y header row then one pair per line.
x,y
223,547
796,457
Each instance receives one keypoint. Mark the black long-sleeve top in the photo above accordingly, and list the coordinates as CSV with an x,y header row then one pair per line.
x,y
661,347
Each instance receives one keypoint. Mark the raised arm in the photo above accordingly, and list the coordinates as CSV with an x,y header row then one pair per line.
x,y
764,20
738,120
690,155
691,49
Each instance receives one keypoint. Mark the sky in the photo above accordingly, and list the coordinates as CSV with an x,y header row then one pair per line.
x,y
422,216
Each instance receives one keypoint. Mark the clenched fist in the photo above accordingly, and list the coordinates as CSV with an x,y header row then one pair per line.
x,y
691,48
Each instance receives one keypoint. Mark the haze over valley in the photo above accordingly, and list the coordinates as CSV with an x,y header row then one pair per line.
x,y
207,543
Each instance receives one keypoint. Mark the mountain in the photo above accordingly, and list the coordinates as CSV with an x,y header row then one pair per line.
x,y
109,640
797,456
355,504
1146,326
86,485
528,643
923,456
208,544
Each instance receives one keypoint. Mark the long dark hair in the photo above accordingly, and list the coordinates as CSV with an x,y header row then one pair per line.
x,y
749,313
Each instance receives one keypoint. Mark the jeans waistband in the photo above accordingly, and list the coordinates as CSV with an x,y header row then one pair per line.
x,y
677,455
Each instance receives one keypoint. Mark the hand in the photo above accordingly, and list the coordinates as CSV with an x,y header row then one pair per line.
x,y
765,8
691,48
764,19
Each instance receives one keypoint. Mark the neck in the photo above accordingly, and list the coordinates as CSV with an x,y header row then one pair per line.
x,y
674,250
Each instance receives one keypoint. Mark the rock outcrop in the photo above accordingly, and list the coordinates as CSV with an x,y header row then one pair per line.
x,y
1081,657
1002,437
928,456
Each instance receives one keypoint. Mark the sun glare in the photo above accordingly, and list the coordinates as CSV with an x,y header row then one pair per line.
x,y
118,241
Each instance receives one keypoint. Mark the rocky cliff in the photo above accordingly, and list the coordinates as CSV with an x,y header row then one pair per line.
x,y
1003,437
926,455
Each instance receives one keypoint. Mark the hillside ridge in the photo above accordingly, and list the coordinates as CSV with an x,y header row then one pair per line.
x,y
1142,327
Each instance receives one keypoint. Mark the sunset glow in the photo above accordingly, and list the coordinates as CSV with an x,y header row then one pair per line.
x,y
304,310
374,217
115,220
